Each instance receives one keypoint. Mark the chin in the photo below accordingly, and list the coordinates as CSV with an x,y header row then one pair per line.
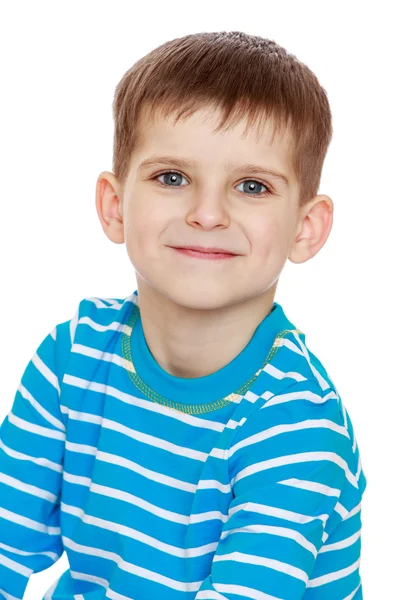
x,y
203,297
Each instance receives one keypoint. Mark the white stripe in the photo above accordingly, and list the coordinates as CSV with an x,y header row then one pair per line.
x,y
266,395
334,576
342,544
241,590
27,488
114,326
8,596
77,479
99,355
114,302
27,426
280,513
359,467
273,530
14,566
29,523
312,486
98,302
42,462
278,374
142,403
190,419
156,442
48,594
159,477
262,561
110,593
343,512
46,372
324,384
290,345
92,578
81,448
353,593
138,535
145,438
354,511
83,417
51,555
72,326
344,413
181,586
40,409
103,582
287,428
213,484
304,395
299,457
131,499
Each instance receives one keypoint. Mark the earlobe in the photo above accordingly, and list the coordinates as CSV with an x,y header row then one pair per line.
x,y
108,191
314,229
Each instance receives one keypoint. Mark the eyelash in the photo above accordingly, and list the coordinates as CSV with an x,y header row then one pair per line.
x,y
268,192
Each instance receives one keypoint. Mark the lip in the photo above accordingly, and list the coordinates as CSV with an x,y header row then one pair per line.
x,y
205,250
204,255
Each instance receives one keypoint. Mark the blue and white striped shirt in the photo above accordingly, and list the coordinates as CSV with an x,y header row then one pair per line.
x,y
246,483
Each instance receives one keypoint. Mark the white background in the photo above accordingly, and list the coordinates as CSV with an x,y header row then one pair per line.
x,y
60,63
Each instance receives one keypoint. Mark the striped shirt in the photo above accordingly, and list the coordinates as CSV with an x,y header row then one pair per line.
x,y
246,483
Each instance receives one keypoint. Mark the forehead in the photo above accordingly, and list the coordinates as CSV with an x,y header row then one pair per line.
x,y
197,140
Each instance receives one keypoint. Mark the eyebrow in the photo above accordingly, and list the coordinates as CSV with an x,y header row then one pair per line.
x,y
184,164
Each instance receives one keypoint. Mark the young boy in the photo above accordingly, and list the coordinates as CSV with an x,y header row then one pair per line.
x,y
184,442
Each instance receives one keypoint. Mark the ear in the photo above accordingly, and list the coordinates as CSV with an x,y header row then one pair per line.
x,y
313,228
109,206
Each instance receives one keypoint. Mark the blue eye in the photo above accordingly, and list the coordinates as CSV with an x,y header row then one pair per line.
x,y
254,183
177,174
169,173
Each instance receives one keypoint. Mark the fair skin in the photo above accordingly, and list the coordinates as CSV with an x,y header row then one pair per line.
x,y
198,315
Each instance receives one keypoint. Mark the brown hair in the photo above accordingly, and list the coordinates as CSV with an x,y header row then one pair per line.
x,y
245,76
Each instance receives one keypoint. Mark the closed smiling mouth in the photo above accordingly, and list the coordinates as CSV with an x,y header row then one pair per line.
x,y
206,250
203,253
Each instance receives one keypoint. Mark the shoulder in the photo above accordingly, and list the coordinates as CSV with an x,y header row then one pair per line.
x,y
294,393
293,372
93,322
291,360
98,314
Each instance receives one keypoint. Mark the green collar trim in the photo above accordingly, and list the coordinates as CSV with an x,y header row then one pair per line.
x,y
192,409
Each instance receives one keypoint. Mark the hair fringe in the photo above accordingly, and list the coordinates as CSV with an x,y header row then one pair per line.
x,y
246,77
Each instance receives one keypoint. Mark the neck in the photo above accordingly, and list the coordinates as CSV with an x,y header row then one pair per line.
x,y
194,342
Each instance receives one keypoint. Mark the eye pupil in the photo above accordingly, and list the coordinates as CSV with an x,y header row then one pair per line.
x,y
173,177
252,185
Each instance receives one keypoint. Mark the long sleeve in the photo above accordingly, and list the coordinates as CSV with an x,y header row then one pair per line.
x,y
32,439
296,486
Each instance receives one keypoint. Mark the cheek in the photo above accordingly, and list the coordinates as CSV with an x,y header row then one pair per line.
x,y
268,236
143,228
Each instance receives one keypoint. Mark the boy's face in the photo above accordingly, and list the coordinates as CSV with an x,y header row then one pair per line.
x,y
206,204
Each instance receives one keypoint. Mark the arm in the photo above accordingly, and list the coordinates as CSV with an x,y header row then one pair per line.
x,y
32,438
294,479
